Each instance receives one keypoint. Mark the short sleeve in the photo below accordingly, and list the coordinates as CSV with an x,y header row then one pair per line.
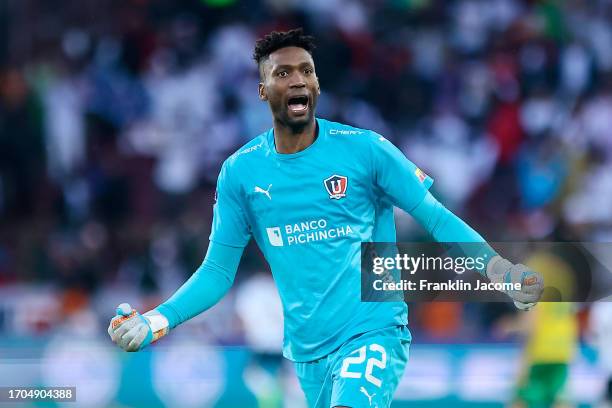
x,y
397,179
230,226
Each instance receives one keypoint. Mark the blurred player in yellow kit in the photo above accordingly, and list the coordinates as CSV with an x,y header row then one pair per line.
x,y
552,335
550,350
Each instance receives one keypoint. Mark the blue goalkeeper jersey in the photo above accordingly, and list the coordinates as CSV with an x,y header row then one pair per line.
x,y
309,212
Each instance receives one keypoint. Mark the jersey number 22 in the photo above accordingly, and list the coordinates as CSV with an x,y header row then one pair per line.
x,y
372,362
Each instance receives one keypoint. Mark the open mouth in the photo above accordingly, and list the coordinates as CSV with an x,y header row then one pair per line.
x,y
298,103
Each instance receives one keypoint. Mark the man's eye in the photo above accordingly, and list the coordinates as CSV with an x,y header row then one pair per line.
x,y
282,74
308,71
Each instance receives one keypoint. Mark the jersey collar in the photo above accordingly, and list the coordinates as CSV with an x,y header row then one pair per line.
x,y
322,133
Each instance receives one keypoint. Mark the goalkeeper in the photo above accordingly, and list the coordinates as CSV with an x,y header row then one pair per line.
x,y
310,191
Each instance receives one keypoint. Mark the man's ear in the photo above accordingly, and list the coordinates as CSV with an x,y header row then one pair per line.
x,y
262,92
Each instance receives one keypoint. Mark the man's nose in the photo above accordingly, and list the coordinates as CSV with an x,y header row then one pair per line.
x,y
297,81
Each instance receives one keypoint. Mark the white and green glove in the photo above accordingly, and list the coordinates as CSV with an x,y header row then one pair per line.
x,y
133,331
500,270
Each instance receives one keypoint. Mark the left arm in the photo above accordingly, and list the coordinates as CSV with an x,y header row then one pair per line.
x,y
412,195
444,226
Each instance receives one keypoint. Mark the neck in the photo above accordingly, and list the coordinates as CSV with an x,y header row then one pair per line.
x,y
292,140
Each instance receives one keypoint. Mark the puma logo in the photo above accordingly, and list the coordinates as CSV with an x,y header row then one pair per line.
x,y
262,191
362,389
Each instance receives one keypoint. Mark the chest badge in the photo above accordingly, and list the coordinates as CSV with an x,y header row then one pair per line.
x,y
336,186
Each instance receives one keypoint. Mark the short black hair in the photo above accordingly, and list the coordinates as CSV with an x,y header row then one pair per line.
x,y
281,39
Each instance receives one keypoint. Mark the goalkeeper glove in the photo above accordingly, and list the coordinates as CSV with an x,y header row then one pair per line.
x,y
133,331
500,270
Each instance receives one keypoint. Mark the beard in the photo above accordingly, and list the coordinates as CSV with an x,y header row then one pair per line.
x,y
282,114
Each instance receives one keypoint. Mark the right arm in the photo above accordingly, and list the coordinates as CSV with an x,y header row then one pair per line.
x,y
209,283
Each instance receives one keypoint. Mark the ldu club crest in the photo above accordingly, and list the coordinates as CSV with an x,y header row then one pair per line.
x,y
336,186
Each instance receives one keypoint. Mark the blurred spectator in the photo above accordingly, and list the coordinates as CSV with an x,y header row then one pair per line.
x,y
600,330
22,149
259,307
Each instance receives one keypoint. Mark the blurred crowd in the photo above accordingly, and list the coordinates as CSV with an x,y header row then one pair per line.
x,y
116,115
